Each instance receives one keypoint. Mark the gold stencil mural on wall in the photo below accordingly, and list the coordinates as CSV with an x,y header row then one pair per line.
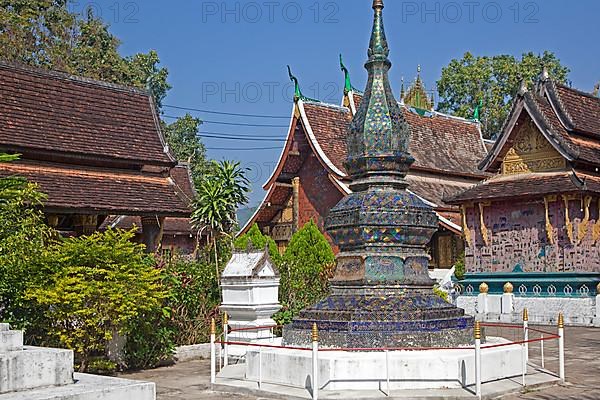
x,y
531,152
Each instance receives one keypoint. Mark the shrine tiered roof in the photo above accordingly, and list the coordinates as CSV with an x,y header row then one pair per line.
x,y
570,121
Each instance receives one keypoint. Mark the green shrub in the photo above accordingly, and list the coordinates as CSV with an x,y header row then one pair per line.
x,y
194,298
442,294
23,238
255,240
100,285
305,271
459,267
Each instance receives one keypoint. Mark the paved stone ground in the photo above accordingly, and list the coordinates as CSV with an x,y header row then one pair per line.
x,y
190,381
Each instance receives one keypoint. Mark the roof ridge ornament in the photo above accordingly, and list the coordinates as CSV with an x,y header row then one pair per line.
x,y
347,81
523,88
477,111
297,92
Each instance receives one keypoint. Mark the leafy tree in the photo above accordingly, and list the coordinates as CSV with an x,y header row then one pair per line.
x,y
44,33
183,139
218,196
254,239
23,234
305,271
494,81
100,284
36,32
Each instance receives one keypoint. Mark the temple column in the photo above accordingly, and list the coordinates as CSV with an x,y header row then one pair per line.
x,y
85,224
295,204
152,231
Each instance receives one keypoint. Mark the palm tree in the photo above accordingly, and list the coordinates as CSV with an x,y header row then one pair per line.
x,y
218,196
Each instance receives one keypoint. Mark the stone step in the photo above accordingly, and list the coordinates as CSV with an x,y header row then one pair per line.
x,y
90,387
35,367
10,340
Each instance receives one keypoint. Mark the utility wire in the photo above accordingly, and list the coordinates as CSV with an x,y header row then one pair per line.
x,y
243,148
232,123
224,113
240,138
243,135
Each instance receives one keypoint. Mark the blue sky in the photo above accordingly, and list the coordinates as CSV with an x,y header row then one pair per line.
x,y
231,56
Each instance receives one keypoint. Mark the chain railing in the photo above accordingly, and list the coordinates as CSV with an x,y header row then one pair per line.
x,y
522,335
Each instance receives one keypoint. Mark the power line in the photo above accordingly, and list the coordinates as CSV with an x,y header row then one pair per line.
x,y
243,135
224,113
204,121
243,148
240,138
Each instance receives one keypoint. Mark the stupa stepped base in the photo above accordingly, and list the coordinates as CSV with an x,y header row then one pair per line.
x,y
405,319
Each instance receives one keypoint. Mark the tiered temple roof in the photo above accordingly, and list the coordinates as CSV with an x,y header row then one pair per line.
x,y
447,150
569,146
93,147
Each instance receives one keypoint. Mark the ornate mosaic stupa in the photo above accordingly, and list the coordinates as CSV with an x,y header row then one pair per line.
x,y
381,294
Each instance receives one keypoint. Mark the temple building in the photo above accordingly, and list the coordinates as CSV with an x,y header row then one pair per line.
x,y
310,177
96,150
534,226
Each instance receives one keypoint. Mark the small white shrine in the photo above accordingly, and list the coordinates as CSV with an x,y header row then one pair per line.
x,y
250,287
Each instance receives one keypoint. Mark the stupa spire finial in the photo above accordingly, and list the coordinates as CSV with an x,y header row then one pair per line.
x,y
379,135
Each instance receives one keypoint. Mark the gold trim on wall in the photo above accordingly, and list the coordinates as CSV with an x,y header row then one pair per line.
x,y
583,225
568,223
596,228
465,226
531,152
485,233
549,228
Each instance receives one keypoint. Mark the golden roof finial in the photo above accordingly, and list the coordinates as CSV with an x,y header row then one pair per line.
x,y
377,4
225,319
315,333
561,320
525,315
508,287
477,330
213,327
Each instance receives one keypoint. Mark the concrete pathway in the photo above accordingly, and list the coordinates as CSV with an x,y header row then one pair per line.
x,y
187,381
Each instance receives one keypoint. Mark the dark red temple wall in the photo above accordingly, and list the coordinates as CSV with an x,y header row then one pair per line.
x,y
517,237
317,194
182,243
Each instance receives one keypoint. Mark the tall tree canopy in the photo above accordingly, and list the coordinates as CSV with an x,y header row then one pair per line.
x,y
44,33
493,81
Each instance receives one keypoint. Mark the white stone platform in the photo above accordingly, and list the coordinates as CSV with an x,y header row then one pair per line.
x,y
90,387
232,380
36,373
340,370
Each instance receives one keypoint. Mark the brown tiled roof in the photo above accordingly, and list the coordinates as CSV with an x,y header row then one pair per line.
x,y
438,142
434,192
183,182
50,111
529,185
582,108
569,118
101,190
